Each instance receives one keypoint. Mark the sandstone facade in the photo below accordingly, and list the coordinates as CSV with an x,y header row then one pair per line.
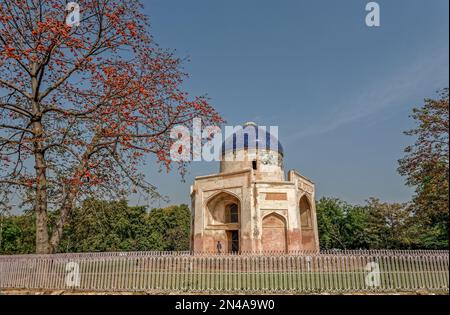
x,y
249,206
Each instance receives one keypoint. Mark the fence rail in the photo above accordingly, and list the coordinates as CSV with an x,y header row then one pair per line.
x,y
330,271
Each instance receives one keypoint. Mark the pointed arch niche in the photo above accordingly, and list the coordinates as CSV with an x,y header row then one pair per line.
x,y
305,213
306,223
223,208
274,236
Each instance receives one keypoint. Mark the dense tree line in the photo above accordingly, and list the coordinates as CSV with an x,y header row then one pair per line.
x,y
375,225
104,226
115,226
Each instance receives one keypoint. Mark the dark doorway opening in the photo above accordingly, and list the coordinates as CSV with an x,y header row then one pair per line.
x,y
233,241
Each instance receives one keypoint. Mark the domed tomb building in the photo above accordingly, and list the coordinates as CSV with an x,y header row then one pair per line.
x,y
249,206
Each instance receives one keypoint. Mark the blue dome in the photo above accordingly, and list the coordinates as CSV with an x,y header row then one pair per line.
x,y
251,136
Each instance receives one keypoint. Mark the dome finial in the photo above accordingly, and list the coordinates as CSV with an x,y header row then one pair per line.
x,y
250,123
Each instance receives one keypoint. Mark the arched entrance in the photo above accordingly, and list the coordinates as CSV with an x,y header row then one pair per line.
x,y
223,219
274,233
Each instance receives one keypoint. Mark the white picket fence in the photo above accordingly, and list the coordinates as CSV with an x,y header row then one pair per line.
x,y
325,271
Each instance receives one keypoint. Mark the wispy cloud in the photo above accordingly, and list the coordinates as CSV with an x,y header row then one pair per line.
x,y
390,90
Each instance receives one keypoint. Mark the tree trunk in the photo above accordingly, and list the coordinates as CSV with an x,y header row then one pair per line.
x,y
40,203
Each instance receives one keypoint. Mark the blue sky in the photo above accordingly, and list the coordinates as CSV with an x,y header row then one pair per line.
x,y
339,91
